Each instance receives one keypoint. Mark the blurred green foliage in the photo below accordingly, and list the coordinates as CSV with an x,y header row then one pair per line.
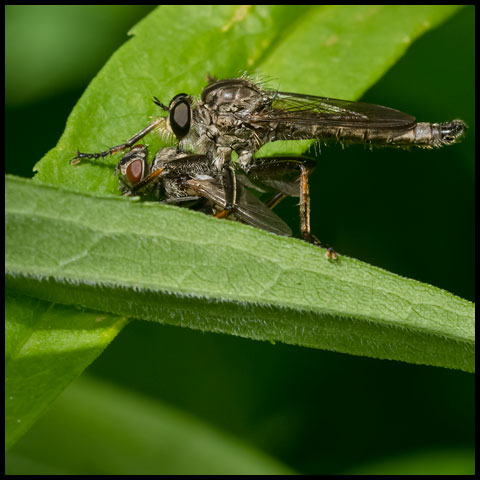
x,y
52,48
315,411
129,434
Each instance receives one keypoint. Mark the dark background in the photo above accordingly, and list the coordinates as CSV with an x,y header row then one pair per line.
x,y
409,212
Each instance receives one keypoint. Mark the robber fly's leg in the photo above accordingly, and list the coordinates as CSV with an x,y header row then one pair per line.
x,y
308,236
285,169
305,206
229,181
129,143
229,178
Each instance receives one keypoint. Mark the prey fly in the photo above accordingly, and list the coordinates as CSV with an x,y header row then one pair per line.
x,y
189,180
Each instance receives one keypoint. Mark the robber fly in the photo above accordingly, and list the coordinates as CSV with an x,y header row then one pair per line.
x,y
238,115
187,179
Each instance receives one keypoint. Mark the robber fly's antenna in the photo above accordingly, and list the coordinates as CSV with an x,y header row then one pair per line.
x,y
156,101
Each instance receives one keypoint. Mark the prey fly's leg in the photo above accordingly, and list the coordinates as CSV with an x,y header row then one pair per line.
x,y
179,200
275,200
129,143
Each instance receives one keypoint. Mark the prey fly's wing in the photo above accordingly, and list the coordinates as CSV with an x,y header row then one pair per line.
x,y
249,209
277,174
297,108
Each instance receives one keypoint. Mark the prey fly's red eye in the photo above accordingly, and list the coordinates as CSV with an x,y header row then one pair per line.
x,y
135,171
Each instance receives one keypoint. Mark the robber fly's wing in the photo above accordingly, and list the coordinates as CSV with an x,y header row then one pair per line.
x,y
249,208
308,109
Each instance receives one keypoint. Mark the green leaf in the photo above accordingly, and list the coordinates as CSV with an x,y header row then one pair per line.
x,y
46,347
111,431
337,51
170,265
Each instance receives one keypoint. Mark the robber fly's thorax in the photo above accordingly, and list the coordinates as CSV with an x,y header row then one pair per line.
x,y
232,96
228,104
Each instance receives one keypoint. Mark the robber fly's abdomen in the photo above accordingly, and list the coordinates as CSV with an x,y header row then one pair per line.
x,y
419,134
431,134
443,133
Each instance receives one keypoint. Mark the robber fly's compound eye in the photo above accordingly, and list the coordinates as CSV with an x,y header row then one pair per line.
x,y
179,117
